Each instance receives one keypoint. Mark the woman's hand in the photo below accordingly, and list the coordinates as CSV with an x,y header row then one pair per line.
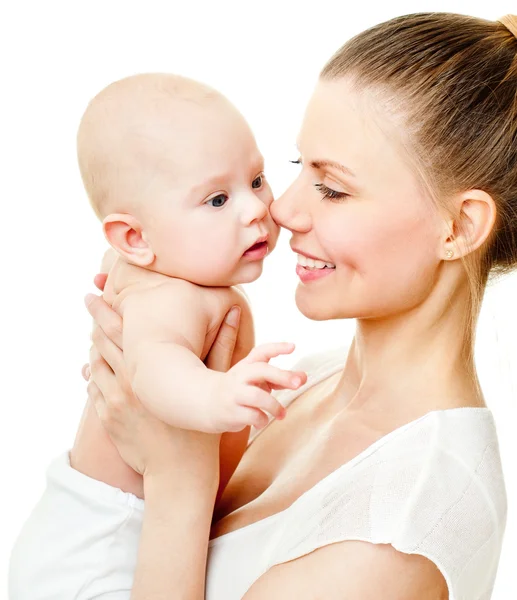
x,y
144,442
100,281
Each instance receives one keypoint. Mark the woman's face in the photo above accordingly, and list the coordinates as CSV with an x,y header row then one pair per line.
x,y
358,206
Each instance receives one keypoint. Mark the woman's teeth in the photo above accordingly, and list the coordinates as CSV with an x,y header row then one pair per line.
x,y
310,263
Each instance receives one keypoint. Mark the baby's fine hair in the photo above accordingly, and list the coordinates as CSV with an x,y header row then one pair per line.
x,y
117,116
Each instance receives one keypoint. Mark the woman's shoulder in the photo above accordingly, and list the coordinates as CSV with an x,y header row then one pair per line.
x,y
318,367
319,362
433,487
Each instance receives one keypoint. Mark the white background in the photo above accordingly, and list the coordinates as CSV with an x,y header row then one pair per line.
x,y
265,56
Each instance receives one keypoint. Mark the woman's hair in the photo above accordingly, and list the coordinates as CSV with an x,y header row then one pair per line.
x,y
453,81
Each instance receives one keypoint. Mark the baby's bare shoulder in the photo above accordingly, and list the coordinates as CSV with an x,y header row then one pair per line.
x,y
166,290
223,298
213,302
183,306
221,301
163,295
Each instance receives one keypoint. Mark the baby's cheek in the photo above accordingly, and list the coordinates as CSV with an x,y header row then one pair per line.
x,y
274,232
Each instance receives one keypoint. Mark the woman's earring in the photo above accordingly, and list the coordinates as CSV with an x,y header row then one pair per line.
x,y
449,254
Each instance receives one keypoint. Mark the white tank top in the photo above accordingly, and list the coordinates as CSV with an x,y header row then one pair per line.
x,y
432,487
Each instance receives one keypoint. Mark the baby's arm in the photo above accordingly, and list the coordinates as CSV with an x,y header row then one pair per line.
x,y
164,334
164,331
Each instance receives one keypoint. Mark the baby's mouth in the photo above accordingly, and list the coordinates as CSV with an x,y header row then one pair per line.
x,y
258,245
260,248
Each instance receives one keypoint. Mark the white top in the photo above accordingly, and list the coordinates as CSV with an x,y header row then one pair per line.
x,y
432,487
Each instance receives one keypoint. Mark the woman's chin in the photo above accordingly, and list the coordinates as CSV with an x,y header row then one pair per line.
x,y
314,307
322,307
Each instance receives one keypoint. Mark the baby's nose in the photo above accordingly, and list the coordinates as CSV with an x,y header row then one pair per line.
x,y
254,210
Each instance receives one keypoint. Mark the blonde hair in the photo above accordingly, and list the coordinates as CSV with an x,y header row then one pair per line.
x,y
453,80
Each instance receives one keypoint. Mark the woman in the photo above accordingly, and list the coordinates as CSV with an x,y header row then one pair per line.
x,y
384,481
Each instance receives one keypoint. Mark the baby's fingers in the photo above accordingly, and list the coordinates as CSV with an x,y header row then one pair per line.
x,y
257,398
254,417
248,416
266,352
278,379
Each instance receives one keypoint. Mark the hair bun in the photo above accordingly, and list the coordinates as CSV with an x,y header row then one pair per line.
x,y
510,22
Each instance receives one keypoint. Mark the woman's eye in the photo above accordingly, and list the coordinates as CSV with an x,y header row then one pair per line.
x,y
330,194
296,162
257,182
218,201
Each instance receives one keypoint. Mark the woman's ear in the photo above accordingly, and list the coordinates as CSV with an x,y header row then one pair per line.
x,y
126,236
476,213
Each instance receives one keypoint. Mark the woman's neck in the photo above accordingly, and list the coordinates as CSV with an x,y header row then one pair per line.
x,y
417,361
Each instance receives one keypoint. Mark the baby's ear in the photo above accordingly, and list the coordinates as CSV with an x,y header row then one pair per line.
x,y
126,236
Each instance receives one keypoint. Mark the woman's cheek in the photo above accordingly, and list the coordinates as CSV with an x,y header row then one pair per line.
x,y
350,244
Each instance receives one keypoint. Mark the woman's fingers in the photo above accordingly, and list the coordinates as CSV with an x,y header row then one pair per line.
x,y
109,351
105,380
85,371
100,280
220,356
105,317
101,373
266,352
95,395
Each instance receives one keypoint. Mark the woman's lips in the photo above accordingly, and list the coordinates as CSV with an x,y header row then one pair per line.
x,y
307,275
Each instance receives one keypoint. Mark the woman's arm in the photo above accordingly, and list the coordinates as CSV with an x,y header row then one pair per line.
x,y
349,570
180,470
174,542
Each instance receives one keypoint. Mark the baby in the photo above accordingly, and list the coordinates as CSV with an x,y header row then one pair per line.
x,y
173,171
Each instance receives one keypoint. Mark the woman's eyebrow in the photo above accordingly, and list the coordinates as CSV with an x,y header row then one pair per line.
x,y
318,164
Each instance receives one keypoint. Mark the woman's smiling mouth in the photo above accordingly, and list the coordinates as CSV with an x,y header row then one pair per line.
x,y
310,268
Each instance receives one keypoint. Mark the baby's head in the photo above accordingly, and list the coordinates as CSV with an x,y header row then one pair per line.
x,y
173,171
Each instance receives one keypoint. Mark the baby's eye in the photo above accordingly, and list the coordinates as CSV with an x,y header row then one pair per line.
x,y
257,182
218,201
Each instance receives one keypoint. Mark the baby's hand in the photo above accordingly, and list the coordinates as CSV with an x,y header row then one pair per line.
x,y
245,391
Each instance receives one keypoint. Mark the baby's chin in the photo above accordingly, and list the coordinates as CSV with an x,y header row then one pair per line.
x,y
247,273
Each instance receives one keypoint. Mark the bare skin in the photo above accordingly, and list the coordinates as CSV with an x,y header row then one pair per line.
x,y
180,212
256,491
408,356
93,452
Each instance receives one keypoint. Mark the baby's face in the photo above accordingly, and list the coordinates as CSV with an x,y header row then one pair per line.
x,y
205,205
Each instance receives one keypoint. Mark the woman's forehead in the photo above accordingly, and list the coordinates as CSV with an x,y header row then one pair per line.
x,y
344,125
336,108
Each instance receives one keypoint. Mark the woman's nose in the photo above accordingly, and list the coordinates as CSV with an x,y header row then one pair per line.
x,y
289,211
